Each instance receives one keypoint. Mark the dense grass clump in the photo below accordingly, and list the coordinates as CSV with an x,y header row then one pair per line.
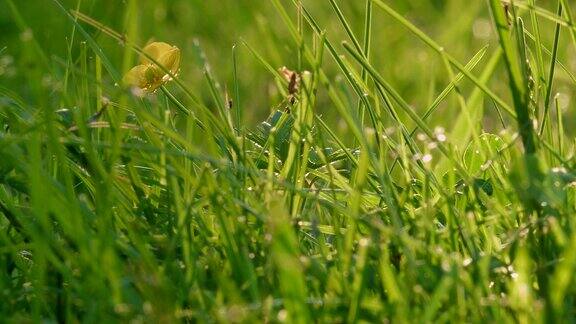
x,y
287,161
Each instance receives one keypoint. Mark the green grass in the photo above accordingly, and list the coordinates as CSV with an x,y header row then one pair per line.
x,y
422,169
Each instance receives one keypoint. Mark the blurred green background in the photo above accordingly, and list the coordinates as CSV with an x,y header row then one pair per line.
x,y
462,27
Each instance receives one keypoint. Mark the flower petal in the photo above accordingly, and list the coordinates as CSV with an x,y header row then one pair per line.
x,y
155,50
171,60
137,76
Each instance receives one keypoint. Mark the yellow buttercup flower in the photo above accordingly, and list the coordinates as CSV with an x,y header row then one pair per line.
x,y
148,76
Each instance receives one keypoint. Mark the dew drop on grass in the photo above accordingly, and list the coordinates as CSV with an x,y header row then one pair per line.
x,y
282,315
445,265
486,165
557,184
467,262
364,242
559,170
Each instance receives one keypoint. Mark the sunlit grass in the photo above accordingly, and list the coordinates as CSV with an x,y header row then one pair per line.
x,y
287,161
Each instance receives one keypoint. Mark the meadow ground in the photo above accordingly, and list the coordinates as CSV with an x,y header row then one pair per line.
x,y
287,161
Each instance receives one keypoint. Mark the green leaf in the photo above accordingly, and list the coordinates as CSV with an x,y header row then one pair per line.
x,y
480,153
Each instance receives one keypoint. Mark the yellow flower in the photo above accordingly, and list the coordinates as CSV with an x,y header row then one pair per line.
x,y
148,76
